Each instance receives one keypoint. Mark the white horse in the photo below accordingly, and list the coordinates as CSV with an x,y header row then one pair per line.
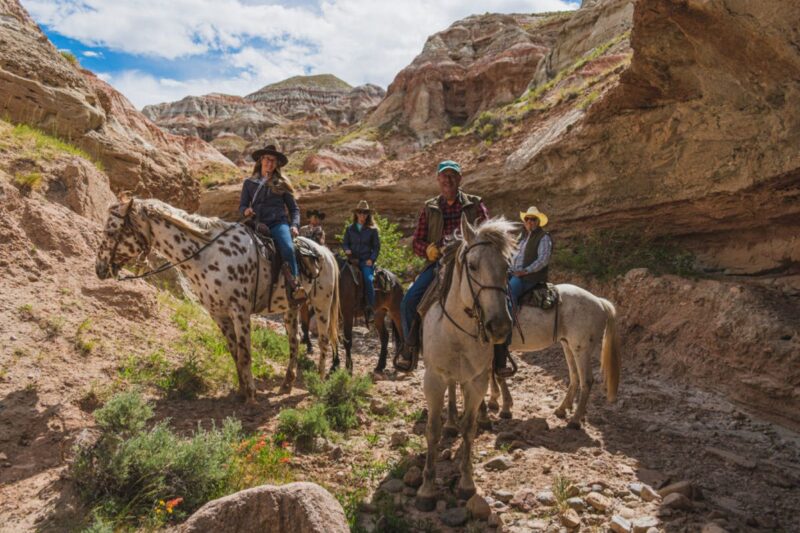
x,y
231,276
586,328
458,335
585,325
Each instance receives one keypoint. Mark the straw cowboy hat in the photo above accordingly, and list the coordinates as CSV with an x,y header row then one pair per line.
x,y
362,206
533,211
270,150
315,213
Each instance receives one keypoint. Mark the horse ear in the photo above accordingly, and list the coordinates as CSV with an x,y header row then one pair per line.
x,y
466,229
128,207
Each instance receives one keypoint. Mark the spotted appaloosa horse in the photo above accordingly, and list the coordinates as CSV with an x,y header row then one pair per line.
x,y
224,276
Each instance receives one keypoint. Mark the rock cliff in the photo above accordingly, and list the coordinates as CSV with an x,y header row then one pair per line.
x,y
292,113
42,88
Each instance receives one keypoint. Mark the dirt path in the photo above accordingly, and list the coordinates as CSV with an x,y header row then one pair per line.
x,y
742,472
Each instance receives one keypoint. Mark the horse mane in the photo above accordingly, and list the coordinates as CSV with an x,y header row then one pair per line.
x,y
499,231
201,227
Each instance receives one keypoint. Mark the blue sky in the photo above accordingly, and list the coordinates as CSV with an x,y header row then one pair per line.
x,y
155,51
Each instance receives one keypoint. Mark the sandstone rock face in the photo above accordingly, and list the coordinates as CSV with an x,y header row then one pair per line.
x,y
291,113
292,508
354,155
478,62
41,88
210,115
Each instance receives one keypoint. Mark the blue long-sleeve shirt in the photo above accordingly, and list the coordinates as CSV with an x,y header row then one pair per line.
x,y
271,206
364,244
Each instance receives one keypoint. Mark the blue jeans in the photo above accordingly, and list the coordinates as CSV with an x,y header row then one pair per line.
x,y
283,241
369,277
408,307
516,288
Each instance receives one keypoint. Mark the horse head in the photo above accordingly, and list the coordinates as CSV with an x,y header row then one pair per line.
x,y
481,274
122,241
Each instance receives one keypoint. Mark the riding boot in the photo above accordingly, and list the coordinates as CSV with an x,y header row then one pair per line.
x,y
501,356
294,291
404,361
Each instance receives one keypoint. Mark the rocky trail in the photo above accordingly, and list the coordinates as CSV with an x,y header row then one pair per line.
x,y
666,455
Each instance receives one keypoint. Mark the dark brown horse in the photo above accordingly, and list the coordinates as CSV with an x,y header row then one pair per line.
x,y
353,303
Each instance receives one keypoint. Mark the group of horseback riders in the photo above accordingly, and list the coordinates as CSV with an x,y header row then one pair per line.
x,y
267,200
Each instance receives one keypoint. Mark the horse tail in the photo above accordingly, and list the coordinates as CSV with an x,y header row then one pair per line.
x,y
333,318
610,362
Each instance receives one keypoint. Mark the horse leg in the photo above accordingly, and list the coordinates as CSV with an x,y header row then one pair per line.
x,y
241,325
483,417
566,404
494,393
347,328
225,325
323,323
290,322
433,388
584,364
508,401
305,319
380,325
451,426
474,392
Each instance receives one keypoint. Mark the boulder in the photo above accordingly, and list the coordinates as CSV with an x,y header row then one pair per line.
x,y
293,508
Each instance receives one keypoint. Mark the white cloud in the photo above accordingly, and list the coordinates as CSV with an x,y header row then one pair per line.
x,y
91,53
358,40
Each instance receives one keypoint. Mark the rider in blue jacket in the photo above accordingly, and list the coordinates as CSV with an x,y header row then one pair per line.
x,y
269,198
362,242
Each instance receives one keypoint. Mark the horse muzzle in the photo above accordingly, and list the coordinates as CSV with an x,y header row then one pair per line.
x,y
104,270
498,328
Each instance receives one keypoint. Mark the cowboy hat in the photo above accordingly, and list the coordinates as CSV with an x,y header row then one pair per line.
x,y
270,150
315,213
533,211
362,206
452,165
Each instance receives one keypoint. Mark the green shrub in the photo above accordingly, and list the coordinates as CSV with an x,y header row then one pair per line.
x,y
69,56
28,181
341,395
394,255
610,253
124,414
131,471
302,427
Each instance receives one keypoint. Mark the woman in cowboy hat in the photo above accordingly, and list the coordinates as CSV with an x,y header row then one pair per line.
x,y
362,242
269,198
528,268
313,230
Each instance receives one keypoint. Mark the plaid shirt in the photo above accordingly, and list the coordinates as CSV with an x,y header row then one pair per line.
x,y
451,215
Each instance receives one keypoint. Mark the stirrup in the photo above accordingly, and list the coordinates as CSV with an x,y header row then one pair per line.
x,y
506,372
401,363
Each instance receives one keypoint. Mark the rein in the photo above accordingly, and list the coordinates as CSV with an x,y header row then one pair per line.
x,y
476,311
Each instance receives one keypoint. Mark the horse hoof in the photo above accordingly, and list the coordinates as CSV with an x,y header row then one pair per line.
x,y
560,413
426,504
493,405
506,415
572,424
465,494
450,432
485,425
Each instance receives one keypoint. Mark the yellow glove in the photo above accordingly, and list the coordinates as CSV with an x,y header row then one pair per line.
x,y
433,252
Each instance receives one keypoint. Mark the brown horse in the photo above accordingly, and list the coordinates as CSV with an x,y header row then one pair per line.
x,y
352,302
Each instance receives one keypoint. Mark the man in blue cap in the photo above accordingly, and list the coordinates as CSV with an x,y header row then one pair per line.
x,y
439,218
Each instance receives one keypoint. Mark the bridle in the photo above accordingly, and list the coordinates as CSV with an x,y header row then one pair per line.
x,y
126,224
476,311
